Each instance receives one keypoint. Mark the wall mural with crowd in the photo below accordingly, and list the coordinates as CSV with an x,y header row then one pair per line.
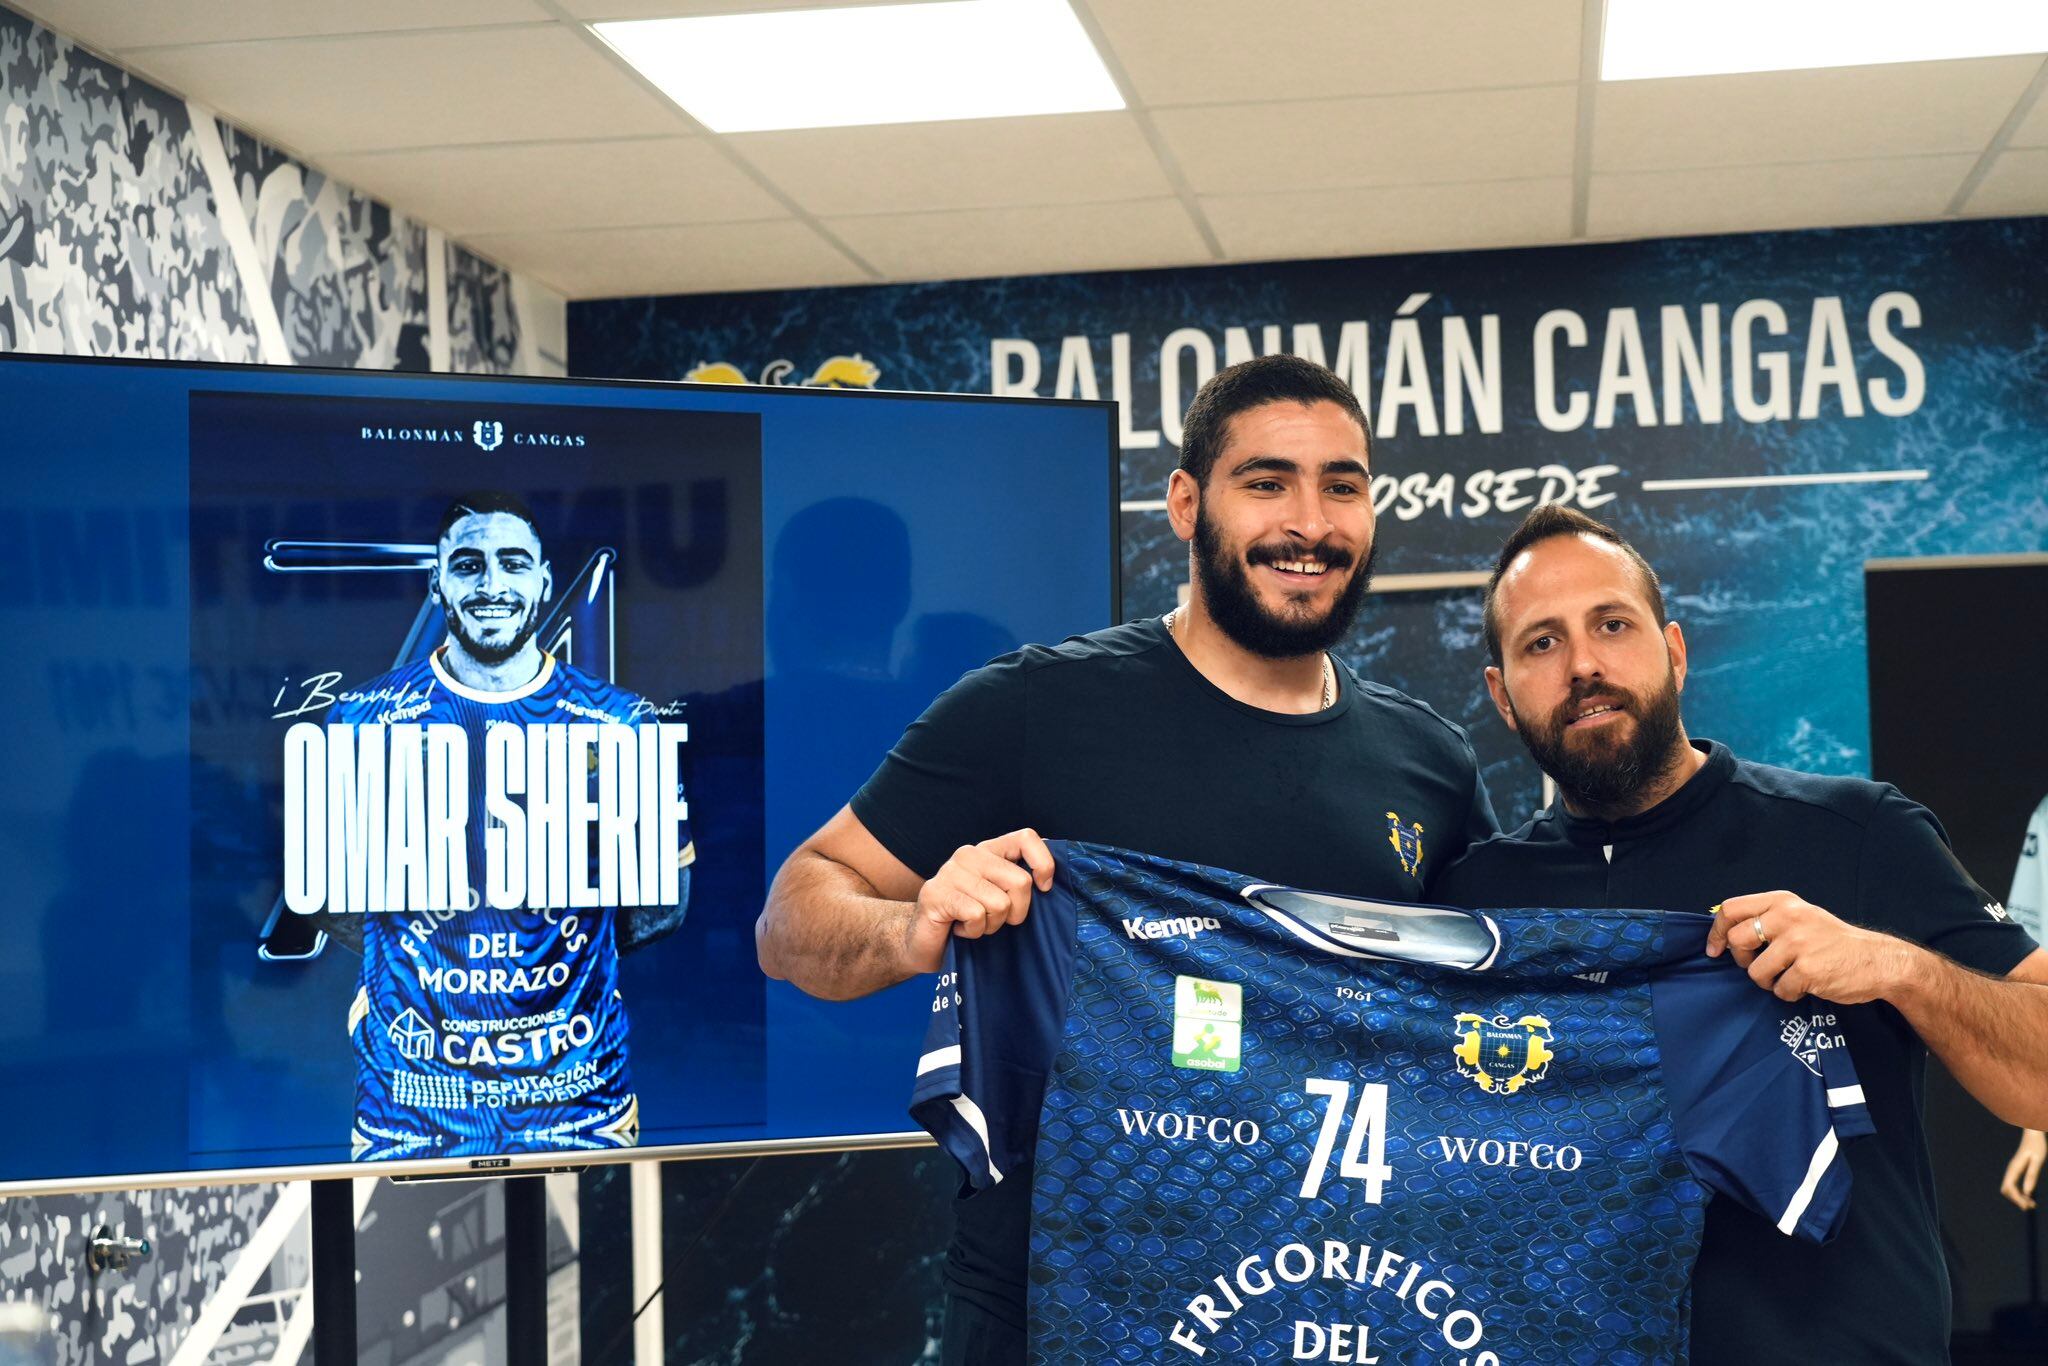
x,y
136,224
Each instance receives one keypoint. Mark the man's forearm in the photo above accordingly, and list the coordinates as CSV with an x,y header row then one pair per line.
x,y
828,931
1990,1032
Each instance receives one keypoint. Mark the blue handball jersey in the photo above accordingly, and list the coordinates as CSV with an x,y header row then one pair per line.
x,y
1272,1125
479,1030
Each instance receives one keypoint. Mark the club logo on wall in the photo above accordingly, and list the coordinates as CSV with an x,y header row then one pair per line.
x,y
837,372
489,435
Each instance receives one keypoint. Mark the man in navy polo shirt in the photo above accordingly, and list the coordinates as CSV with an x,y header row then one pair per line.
x,y
1873,914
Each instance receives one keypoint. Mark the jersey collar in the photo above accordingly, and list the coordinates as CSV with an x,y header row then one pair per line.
x,y
1672,811
1347,686
461,689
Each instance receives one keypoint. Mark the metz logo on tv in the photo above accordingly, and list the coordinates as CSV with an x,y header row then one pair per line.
x,y
376,817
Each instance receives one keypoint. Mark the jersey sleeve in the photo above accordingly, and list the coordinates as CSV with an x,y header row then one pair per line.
x,y
997,1013
953,778
1911,885
1763,1094
943,1099
2028,903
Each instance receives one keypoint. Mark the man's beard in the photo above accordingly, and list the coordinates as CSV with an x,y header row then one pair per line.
x,y
486,653
1598,774
1234,605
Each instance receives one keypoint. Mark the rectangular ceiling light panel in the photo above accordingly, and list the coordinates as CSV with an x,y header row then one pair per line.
x,y
1645,39
866,64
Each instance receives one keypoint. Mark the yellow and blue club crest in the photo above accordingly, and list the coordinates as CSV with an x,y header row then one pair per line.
x,y
1503,1057
1407,842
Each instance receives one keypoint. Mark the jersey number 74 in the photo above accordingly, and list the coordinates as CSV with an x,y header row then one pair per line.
x,y
1368,1130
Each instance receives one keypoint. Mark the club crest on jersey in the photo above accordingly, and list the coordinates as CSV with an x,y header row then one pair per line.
x,y
1407,843
1502,1057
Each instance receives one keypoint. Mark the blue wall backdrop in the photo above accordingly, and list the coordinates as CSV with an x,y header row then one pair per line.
x,y
1903,366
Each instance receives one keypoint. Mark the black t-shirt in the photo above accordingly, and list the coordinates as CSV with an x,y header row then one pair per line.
x,y
1878,1292
1115,738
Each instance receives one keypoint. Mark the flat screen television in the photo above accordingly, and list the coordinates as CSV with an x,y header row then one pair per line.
x,y
397,763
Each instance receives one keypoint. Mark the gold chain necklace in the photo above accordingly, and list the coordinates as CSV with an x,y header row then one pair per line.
x,y
1329,669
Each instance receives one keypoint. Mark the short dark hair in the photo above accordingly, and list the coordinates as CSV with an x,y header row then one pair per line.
x,y
1548,522
483,502
1252,384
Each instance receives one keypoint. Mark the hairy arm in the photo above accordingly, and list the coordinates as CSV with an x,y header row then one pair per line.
x,y
838,914
845,917
1991,1033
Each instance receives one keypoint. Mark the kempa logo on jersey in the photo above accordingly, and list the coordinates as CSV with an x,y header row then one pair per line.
x,y
1175,927
1173,1126
1208,1024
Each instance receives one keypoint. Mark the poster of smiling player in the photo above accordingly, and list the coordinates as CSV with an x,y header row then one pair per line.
x,y
510,752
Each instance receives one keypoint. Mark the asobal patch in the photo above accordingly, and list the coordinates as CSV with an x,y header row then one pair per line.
x,y
1208,1024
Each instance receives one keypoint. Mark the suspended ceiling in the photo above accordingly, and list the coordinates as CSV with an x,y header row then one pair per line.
x,y
1256,130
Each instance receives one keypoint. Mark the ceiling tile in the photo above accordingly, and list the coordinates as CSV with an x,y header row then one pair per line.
x,y
114,25
1335,144
1760,198
699,259
597,11
971,164
2017,183
608,184
1773,116
416,90
2033,129
1225,51
1026,241
1364,222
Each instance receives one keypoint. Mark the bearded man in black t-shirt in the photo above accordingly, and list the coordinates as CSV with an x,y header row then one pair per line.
x,y
1875,915
1222,734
